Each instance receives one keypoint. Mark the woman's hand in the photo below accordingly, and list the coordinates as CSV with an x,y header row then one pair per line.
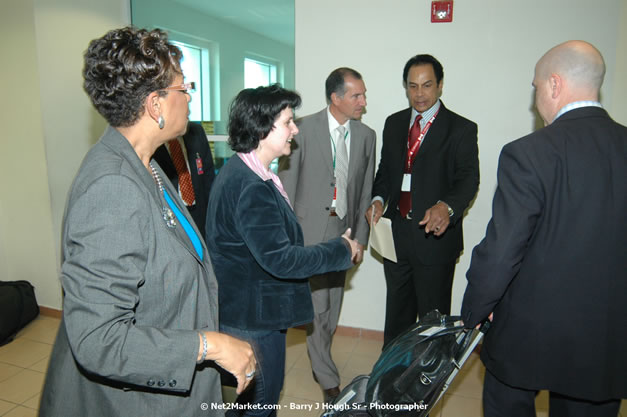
x,y
234,355
355,246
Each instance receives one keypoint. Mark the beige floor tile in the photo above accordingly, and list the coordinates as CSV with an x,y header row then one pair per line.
x,y
358,365
6,406
20,411
296,355
300,384
437,410
341,359
24,352
33,402
304,364
542,400
41,366
7,371
369,347
295,337
343,344
21,386
349,376
42,329
458,406
469,380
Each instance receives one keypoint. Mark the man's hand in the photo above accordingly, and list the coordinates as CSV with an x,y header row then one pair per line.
x,y
360,255
436,219
356,248
490,317
377,206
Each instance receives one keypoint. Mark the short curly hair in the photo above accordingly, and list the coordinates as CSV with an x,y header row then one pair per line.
x,y
123,67
253,113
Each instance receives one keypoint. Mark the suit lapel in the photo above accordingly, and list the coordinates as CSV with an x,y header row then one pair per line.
x,y
324,142
402,134
178,230
356,149
437,132
121,145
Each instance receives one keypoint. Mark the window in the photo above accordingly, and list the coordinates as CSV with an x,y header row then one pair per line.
x,y
195,66
258,73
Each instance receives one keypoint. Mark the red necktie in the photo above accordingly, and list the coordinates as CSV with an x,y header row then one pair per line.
x,y
404,203
185,179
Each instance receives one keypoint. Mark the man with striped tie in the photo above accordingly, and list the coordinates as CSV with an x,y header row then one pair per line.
x,y
328,178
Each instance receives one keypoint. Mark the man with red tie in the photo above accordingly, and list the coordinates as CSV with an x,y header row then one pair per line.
x,y
428,174
188,163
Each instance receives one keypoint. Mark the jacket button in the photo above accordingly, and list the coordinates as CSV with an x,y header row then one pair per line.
x,y
326,208
172,383
161,383
150,383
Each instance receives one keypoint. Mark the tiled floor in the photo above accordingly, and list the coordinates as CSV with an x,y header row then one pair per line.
x,y
23,365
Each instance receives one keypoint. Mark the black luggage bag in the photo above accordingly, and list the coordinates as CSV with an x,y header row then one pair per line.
x,y
413,371
18,307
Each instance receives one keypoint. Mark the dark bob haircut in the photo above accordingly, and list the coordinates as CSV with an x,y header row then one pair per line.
x,y
424,60
123,67
253,112
335,81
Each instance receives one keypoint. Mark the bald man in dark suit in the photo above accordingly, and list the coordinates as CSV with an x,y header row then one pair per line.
x,y
551,272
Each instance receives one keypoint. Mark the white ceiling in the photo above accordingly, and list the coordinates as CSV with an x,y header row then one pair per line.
x,y
271,18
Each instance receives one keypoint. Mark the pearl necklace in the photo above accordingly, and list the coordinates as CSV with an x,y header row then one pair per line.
x,y
156,177
166,212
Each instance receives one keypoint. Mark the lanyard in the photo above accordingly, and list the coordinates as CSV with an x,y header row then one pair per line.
x,y
334,150
411,152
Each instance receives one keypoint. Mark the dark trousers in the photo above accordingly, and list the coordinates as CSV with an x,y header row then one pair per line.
x,y
502,400
413,289
264,391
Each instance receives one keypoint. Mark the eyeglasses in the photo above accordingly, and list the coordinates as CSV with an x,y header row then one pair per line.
x,y
187,87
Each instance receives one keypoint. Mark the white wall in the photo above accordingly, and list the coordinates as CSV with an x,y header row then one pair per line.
x,y
26,235
48,125
488,53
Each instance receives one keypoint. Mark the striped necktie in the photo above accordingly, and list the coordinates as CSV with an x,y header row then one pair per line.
x,y
341,172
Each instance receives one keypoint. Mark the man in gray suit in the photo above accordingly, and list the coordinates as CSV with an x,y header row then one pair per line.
x,y
328,177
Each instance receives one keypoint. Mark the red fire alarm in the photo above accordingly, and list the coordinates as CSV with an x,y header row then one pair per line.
x,y
442,11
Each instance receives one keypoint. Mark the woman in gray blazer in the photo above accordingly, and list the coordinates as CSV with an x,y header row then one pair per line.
x,y
256,243
140,312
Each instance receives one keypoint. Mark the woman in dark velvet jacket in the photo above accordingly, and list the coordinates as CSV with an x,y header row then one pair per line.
x,y
256,243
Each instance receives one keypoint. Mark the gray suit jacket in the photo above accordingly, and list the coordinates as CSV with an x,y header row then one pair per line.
x,y
136,293
308,178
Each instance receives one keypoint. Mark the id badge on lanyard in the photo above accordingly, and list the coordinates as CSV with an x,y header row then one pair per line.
x,y
406,185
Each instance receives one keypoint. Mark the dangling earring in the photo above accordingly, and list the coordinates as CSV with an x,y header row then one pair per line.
x,y
161,122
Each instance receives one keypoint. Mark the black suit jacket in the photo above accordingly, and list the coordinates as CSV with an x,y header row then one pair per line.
x,y
197,147
553,264
446,168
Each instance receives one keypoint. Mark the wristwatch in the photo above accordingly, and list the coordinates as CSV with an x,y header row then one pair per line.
x,y
451,213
